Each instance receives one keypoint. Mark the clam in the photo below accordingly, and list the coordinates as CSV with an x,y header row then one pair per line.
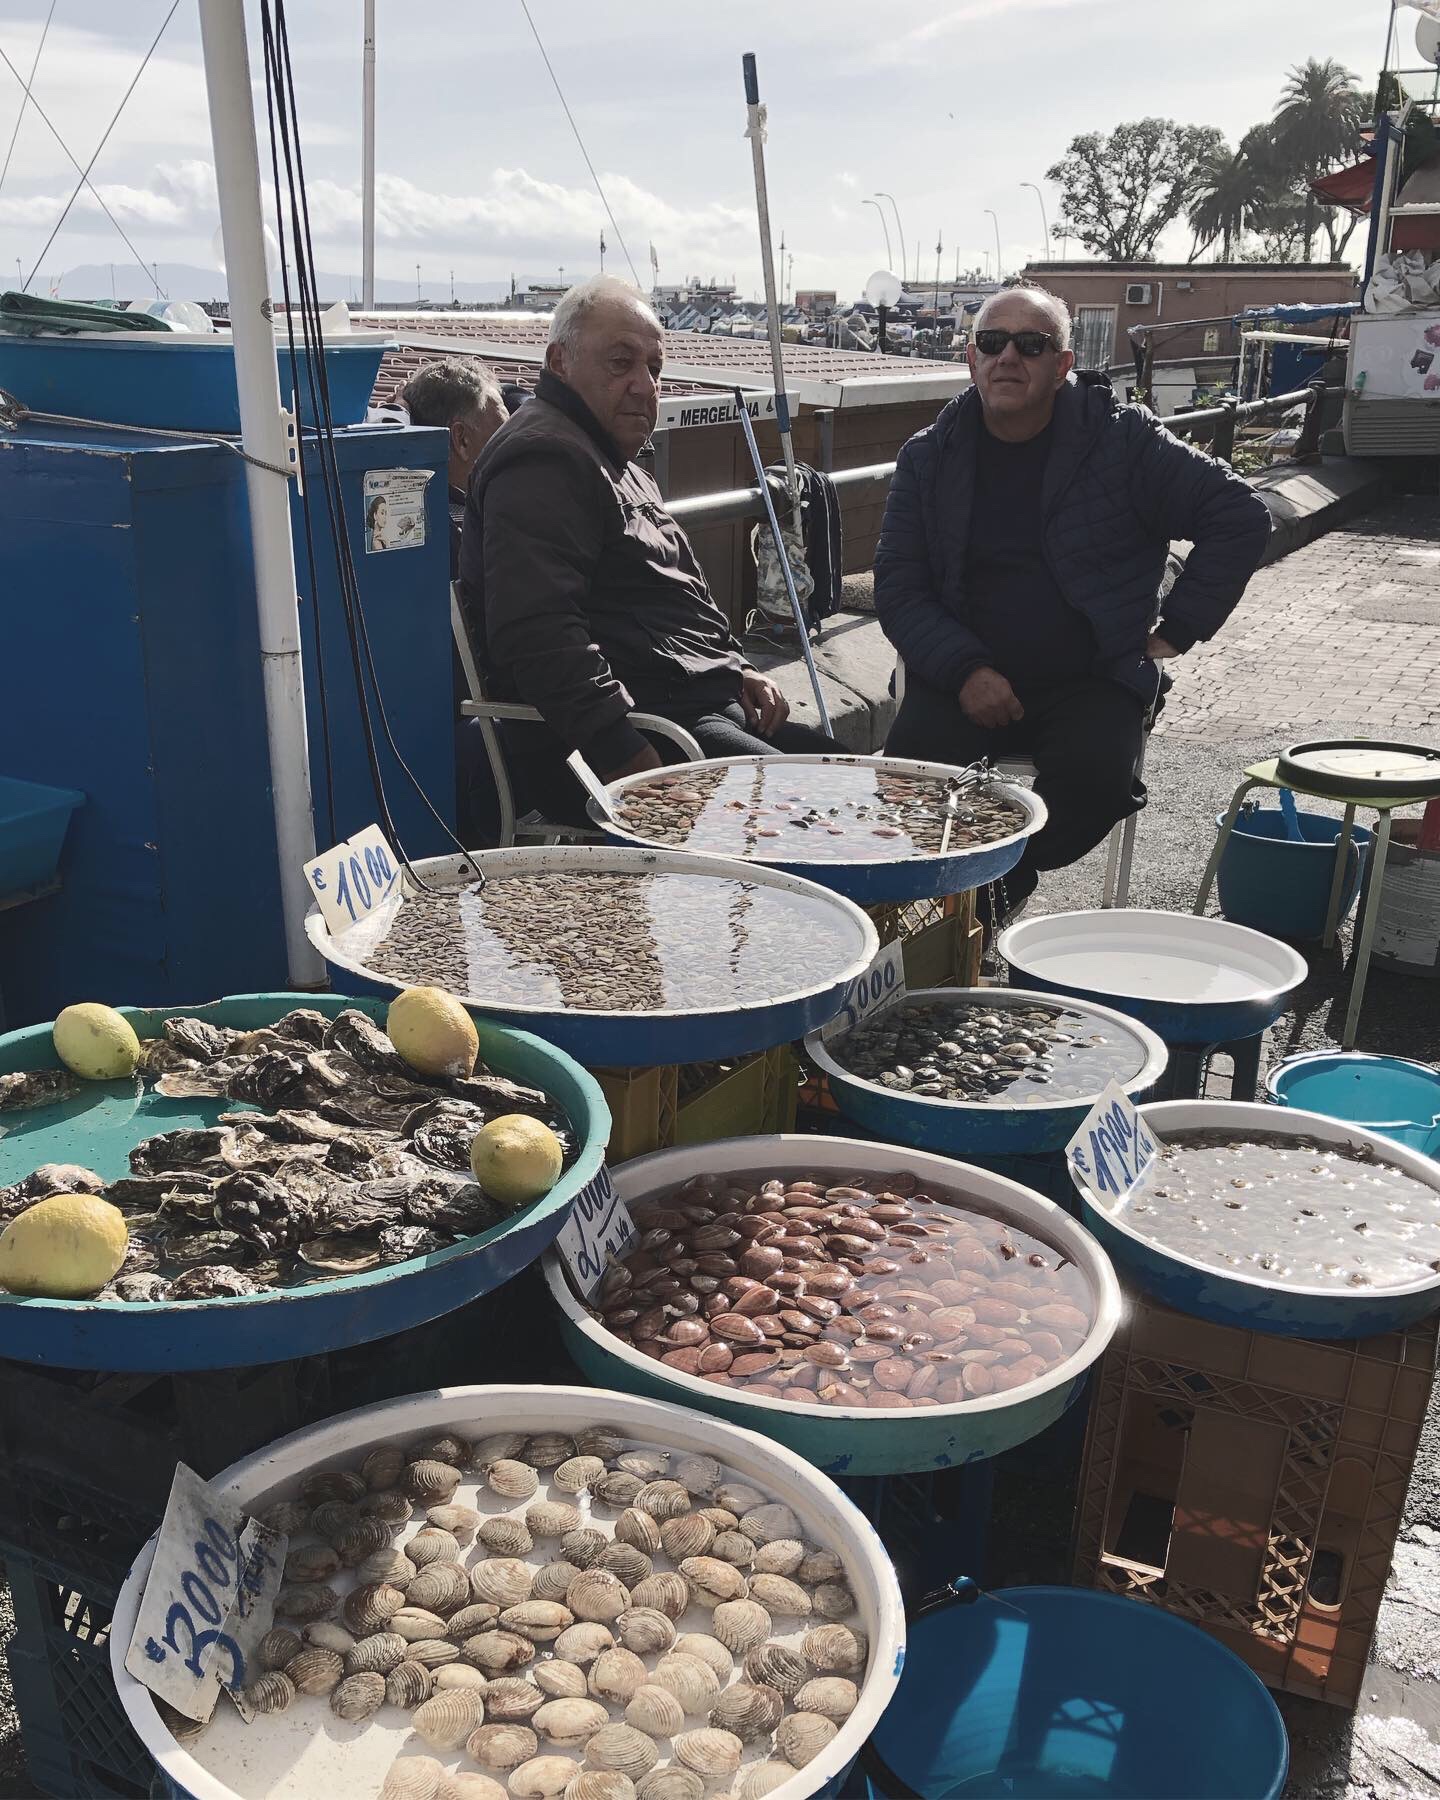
x,y
433,1653
543,1776
578,1473
801,1736
288,1517
505,1536
670,1783
625,1562
662,1499
640,1529
358,1696
510,1479
552,1580
503,1580
763,1778
446,1719
539,1620
633,1753
277,1648
597,1596
512,1700
741,1625
710,1650
446,1449
689,1535
711,1581
465,1784
560,1680
778,1595
570,1721
311,1562
655,1710
820,1565
462,1522
360,1538
552,1518
720,1518
548,1449
430,1545
779,1667
584,1642
332,1517
649,1465
412,1778
502,1746
316,1671
367,1608
836,1649
382,1467
601,1784
751,1712
781,1556
324,1634
833,1600
693,1683
389,1565
583,1546
616,1674
271,1692
667,1592
730,1546
470,1621
331,1484
645,1630
430,1482
503,1446
460,1675
603,1441
415,1622
408,1684
443,1588
738,1497
831,1696
764,1524
390,1505
377,1654
698,1474
709,1752
617,1488
497,1652
305,1600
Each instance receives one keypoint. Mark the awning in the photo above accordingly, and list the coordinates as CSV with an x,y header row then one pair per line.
x,y
1350,187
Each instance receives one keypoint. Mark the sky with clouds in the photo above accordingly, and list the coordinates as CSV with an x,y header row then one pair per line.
x,y
949,108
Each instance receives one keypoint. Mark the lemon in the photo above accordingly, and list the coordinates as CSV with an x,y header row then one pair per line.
x,y
96,1042
63,1248
433,1032
516,1159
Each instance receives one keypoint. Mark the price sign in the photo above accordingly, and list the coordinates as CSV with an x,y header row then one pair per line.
x,y
209,1598
591,782
350,882
1111,1152
598,1228
882,985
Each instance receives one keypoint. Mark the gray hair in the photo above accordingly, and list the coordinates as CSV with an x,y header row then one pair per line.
x,y
567,322
1048,303
444,391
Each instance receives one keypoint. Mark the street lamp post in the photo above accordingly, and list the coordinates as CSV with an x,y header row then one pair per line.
x,y
1044,222
884,226
880,194
999,260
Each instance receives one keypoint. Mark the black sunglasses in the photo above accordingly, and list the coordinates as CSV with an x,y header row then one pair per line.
x,y
1028,343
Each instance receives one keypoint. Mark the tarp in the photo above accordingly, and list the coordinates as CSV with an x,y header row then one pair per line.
x,y
27,315
1300,312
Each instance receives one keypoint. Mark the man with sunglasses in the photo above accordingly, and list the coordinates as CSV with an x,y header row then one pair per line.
x,y
1020,566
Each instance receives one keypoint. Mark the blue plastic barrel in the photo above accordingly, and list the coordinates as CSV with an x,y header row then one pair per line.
x,y
1389,1094
1273,884
33,821
1050,1693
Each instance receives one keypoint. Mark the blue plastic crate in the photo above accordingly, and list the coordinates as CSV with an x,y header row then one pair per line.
x,y
33,823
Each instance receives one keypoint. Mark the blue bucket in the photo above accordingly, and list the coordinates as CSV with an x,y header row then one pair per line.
x,y
1388,1094
1051,1693
1275,885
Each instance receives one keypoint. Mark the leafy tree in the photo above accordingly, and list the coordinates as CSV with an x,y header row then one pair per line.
x,y
1317,119
1120,193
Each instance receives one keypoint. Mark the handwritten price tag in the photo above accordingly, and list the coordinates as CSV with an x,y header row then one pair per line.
x,y
882,985
598,1228
350,882
209,1598
1111,1152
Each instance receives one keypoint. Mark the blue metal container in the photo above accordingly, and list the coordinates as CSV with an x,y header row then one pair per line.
x,y
980,1128
175,381
33,822
1273,883
1057,1693
99,1130
131,641
1386,1094
1247,1301
1192,980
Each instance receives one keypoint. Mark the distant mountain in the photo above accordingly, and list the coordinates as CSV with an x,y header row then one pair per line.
x,y
184,281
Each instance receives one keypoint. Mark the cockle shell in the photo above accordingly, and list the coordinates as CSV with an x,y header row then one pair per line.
x,y
640,1529
434,1653
415,1622
649,1465
836,1649
570,1721
543,1776
361,1538
312,1562
667,1592
662,1499
730,1546
597,1596
749,1711
497,1652
305,1600
324,1634
270,1692
446,1449
779,1667
645,1630
693,1683
616,1674
833,1600
655,1710
708,1751
548,1449
781,1556
552,1580
738,1497
821,1565
381,1468
505,1536
712,1581
583,1643
801,1736
763,1778
633,1753
446,1719
512,1699
412,1778
670,1783
430,1545
710,1651
408,1684
741,1624
552,1518
689,1535
390,1505
764,1524
442,1588
462,1522
510,1479
316,1671
389,1565
367,1608
617,1488
460,1675
431,1483
539,1620
776,1594
502,1746
600,1440
577,1474
331,1484
470,1621
832,1696
502,1446
332,1517
377,1654
465,1784
277,1648
358,1696
625,1562
720,1518
560,1680
583,1546
504,1580
600,1784
698,1474
287,1516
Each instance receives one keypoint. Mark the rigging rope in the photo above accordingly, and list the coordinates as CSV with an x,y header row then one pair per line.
x,y
20,116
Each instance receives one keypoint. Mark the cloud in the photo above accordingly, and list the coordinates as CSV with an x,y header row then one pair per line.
x,y
846,179
914,45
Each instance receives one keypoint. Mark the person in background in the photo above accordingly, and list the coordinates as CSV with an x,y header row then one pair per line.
x,y
1020,565
581,594
459,396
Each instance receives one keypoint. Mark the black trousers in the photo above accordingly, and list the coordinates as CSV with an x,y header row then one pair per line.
x,y
1084,738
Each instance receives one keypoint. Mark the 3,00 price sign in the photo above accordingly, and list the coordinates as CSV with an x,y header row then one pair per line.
x,y
598,1228
882,985
350,881
1111,1152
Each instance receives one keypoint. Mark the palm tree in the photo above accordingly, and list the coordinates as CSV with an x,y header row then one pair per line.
x,y
1319,111
1231,188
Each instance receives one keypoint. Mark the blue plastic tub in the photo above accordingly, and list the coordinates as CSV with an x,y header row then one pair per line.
x,y
1388,1094
1273,884
1051,1693
172,382
33,823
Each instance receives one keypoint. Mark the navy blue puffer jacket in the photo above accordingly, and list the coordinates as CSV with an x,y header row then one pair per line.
x,y
1118,489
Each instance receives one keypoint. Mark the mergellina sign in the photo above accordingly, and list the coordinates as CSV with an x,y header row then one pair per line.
x,y
714,409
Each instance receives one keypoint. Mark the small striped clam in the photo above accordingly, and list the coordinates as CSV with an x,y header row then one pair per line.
x,y
502,1746
655,1711
408,1685
377,1654
749,1711
633,1753
708,1751
801,1736
469,1784
412,1778
570,1722
447,1718
543,1777
271,1692
616,1674
358,1696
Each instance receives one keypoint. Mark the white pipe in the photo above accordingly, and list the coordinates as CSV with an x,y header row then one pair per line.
x,y
367,163
755,131
262,431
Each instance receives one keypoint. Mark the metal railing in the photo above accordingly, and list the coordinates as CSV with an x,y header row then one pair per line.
x,y
1213,424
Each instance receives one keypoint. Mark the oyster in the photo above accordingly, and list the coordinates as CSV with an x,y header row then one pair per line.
x,y
401,1243
264,1210
184,1149
136,1289
357,1036
37,1087
197,1040
442,1131
212,1281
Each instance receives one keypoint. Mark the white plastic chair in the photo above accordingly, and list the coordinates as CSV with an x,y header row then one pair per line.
x,y
533,827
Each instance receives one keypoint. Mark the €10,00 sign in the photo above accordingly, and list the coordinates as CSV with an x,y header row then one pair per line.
x,y
351,881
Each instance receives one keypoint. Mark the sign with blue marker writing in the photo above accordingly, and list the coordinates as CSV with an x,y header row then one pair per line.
x,y
1111,1153
354,880
598,1228
208,1601
882,985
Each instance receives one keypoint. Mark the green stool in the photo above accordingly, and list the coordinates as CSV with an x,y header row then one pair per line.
x,y
1267,774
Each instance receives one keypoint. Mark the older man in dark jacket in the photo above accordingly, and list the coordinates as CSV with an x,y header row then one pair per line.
x,y
1020,565
581,593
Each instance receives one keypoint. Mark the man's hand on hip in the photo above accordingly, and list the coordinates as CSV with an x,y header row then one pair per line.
x,y
1158,650
988,700
649,758
766,708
